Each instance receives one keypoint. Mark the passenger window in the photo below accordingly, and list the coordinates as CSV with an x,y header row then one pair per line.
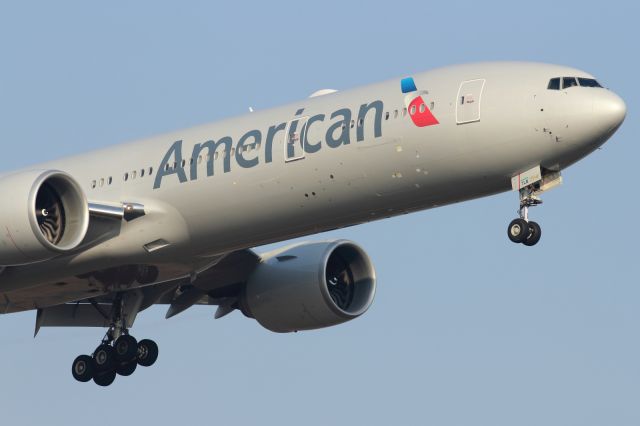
x,y
413,110
360,122
386,115
141,172
404,112
422,108
568,82
93,184
184,163
554,84
133,174
101,182
126,177
109,180
150,171
395,113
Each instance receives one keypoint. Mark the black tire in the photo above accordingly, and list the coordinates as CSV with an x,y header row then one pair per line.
x,y
127,368
535,232
104,378
126,348
83,368
518,230
104,358
147,352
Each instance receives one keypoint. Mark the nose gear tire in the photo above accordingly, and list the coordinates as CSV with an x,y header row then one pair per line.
x,y
518,230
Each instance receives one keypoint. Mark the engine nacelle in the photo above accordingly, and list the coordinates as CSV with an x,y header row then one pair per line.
x,y
310,286
43,214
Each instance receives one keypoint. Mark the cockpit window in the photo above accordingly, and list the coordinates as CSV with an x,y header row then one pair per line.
x,y
588,82
554,84
568,82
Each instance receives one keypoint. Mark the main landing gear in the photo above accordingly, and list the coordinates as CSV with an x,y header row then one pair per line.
x,y
118,354
119,357
522,230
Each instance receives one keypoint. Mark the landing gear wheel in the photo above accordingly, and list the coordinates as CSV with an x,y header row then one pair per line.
x,y
127,368
82,368
518,230
535,232
126,348
104,378
147,352
104,358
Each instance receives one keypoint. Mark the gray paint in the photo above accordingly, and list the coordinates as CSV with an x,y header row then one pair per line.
x,y
392,170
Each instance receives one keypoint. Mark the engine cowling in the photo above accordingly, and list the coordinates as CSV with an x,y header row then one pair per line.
x,y
44,214
310,286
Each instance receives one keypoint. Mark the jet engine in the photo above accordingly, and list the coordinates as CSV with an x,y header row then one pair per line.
x,y
43,214
310,286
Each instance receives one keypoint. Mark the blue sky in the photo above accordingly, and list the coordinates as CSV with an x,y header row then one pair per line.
x,y
467,328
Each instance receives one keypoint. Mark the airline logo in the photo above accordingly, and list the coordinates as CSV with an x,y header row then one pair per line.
x,y
415,103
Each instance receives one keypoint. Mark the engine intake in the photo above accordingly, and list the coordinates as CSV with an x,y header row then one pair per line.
x,y
45,214
310,286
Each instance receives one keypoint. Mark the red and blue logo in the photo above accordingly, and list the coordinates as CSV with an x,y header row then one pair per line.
x,y
416,105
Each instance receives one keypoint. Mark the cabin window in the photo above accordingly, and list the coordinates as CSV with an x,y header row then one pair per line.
x,y
133,174
150,171
141,172
422,108
386,115
126,177
554,84
413,110
109,180
588,82
101,182
93,184
395,114
568,82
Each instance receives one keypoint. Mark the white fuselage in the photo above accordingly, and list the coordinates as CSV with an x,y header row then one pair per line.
x,y
503,121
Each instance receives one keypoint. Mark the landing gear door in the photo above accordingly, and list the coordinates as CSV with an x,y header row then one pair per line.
x,y
469,100
295,135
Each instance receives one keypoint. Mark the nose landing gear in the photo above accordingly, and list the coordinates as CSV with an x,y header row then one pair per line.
x,y
522,230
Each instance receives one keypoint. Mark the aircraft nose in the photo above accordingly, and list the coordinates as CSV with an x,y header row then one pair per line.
x,y
610,109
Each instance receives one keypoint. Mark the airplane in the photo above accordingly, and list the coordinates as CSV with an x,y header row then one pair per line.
x,y
94,239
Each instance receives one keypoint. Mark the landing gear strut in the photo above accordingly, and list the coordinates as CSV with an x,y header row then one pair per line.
x,y
522,230
118,354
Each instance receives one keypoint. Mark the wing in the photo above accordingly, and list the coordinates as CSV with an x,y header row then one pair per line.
x,y
219,285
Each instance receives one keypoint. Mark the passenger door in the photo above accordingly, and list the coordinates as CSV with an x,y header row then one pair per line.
x,y
469,101
294,139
